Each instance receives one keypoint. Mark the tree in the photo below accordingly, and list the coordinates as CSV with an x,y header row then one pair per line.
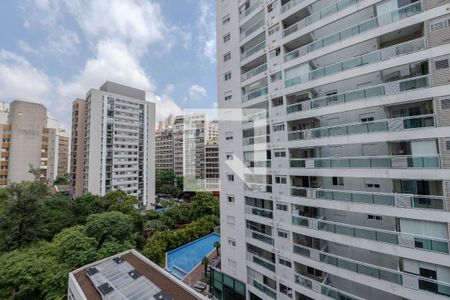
x,y
164,177
205,204
205,263
56,214
169,189
61,180
74,247
109,226
21,222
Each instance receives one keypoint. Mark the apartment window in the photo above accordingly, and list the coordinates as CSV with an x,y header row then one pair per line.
x,y
280,180
230,177
228,97
283,234
367,119
284,262
227,56
373,185
274,29
441,64
275,77
314,272
437,26
278,127
372,217
282,206
229,135
226,19
280,154
227,76
226,37
275,53
232,242
447,145
230,199
277,101
338,181
270,7
229,156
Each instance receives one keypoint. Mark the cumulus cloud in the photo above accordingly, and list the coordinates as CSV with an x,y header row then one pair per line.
x,y
197,92
206,28
20,80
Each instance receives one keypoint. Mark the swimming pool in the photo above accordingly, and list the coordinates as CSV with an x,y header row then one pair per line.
x,y
182,260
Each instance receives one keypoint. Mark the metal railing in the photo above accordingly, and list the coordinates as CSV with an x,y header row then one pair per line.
x,y
325,289
255,94
260,236
388,18
257,211
259,139
288,5
386,125
258,187
385,89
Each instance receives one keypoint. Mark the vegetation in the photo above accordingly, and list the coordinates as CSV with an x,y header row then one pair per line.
x,y
43,237
65,179
168,183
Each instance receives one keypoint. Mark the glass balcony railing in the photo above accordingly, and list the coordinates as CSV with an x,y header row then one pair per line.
x,y
386,125
325,289
254,72
263,114
385,89
249,10
287,6
370,24
258,163
260,261
252,29
260,139
265,289
260,236
375,162
255,94
366,59
385,274
389,199
385,236
257,211
317,16
253,50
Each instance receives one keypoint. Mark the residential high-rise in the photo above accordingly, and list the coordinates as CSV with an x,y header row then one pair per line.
x,y
118,151
77,152
335,183
31,137
164,145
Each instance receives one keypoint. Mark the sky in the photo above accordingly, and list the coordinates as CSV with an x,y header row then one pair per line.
x,y
54,51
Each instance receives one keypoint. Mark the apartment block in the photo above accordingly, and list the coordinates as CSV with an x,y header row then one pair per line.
x,y
113,142
344,139
31,137
164,145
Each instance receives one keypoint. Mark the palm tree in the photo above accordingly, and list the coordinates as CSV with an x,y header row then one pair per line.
x,y
205,262
217,246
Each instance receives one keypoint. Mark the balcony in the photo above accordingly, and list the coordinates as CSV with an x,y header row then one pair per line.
x,y
262,212
384,89
252,29
253,50
258,164
287,6
366,162
373,23
262,287
389,199
254,72
385,236
260,236
394,276
255,94
355,62
324,289
258,187
317,16
253,257
386,125
244,13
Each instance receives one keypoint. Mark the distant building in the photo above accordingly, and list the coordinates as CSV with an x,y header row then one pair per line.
x,y
113,134
30,138
126,276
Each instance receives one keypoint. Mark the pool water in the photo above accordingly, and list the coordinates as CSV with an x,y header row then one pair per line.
x,y
184,259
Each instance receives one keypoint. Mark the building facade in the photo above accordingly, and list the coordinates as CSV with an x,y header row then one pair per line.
x,y
344,136
29,138
118,151
164,145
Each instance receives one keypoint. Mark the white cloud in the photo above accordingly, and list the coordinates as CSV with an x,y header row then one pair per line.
x,y
207,30
197,92
165,106
20,80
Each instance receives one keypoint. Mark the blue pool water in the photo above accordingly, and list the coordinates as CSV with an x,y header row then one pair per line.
x,y
162,209
182,260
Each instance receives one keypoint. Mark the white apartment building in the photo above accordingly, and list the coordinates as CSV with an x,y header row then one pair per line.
x,y
118,130
346,138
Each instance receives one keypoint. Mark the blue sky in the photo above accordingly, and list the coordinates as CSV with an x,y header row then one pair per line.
x,y
53,51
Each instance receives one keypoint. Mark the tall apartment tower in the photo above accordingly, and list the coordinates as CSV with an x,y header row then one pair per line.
x,y
114,142
29,138
164,145
346,138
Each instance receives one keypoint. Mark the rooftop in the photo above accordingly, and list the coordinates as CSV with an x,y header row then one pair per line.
x,y
128,275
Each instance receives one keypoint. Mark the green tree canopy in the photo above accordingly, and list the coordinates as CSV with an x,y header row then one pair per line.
x,y
107,226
